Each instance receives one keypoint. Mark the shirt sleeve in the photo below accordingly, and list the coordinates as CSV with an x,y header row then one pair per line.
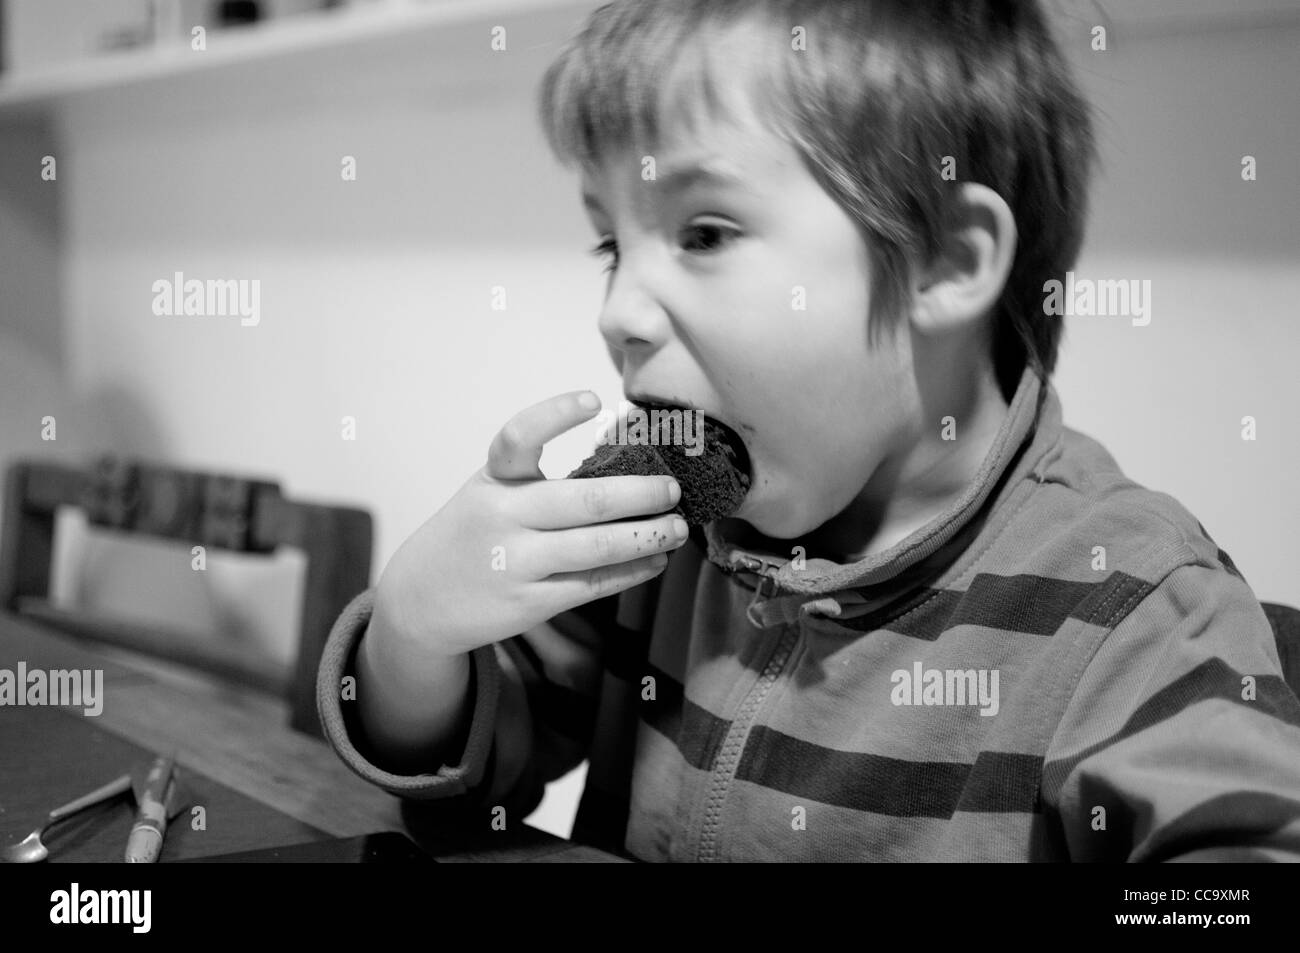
x,y
1182,740
531,709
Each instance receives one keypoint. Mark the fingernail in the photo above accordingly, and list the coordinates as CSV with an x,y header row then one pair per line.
x,y
588,401
674,491
680,528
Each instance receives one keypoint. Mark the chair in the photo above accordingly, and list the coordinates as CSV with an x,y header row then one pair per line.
x,y
217,511
1285,621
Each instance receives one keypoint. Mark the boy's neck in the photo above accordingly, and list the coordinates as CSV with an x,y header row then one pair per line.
x,y
919,482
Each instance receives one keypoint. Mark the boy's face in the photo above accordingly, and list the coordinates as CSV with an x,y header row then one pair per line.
x,y
748,300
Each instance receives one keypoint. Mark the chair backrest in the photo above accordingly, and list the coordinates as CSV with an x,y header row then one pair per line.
x,y
216,511
1285,621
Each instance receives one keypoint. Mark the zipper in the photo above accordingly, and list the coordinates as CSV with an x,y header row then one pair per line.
x,y
728,758
762,567
767,586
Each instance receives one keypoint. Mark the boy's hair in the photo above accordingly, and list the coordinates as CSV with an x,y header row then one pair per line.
x,y
884,90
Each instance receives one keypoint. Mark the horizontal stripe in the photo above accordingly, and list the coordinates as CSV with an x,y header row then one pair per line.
x,y
1228,564
663,713
1285,623
1236,820
1236,855
1213,679
697,732
701,736
997,782
1036,605
1220,554
757,826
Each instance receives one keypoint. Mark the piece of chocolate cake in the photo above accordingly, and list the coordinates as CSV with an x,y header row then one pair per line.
x,y
714,482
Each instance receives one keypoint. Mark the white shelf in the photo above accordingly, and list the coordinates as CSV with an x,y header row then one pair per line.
x,y
444,40
330,37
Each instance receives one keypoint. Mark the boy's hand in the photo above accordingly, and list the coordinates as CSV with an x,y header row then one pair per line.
x,y
512,549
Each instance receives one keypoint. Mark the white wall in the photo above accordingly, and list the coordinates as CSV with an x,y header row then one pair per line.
x,y
375,293
1176,114
375,300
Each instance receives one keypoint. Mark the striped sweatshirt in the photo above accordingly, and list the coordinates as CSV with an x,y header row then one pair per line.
x,y
1063,666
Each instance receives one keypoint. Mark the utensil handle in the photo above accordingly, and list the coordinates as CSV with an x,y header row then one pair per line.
x,y
111,789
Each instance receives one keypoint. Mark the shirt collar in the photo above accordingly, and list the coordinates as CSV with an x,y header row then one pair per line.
x,y
1031,426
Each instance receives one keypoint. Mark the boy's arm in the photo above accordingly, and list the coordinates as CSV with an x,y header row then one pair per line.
x,y
1182,741
529,712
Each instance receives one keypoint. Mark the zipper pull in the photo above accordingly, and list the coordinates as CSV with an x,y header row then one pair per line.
x,y
765,589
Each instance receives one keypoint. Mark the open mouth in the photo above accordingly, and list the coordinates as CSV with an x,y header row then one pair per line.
x,y
718,437
714,473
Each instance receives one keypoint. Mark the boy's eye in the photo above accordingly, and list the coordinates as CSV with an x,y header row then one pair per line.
x,y
706,237
702,238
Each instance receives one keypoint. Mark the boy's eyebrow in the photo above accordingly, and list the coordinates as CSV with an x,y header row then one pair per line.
x,y
679,179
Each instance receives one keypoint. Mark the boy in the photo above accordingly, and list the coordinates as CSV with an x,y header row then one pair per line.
x,y
940,626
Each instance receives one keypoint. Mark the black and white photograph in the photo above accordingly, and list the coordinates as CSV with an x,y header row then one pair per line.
x,y
650,431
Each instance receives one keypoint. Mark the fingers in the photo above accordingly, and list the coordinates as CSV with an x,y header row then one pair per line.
x,y
576,588
564,504
517,448
594,547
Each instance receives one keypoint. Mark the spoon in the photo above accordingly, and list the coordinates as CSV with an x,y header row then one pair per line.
x,y
30,850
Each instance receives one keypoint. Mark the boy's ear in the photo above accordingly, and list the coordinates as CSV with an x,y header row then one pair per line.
x,y
965,279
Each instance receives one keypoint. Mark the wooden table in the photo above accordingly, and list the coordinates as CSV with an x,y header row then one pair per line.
x,y
261,783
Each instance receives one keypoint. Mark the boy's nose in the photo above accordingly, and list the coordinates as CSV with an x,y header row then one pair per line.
x,y
632,317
